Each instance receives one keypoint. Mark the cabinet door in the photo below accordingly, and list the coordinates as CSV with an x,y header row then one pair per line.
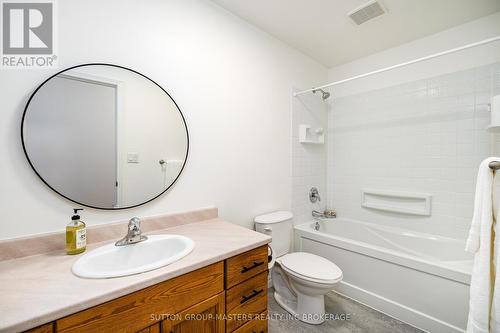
x,y
151,329
133,312
204,317
47,328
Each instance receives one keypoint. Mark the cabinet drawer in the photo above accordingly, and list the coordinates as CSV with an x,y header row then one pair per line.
x,y
151,329
204,317
143,308
246,301
243,266
257,325
47,328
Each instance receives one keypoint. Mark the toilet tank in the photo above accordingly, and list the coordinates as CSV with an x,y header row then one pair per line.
x,y
279,226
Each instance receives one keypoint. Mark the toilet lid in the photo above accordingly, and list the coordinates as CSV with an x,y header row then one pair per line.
x,y
311,266
274,217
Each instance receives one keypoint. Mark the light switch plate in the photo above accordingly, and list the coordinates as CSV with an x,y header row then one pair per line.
x,y
132,157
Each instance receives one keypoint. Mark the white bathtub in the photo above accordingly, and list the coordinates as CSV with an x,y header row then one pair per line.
x,y
418,278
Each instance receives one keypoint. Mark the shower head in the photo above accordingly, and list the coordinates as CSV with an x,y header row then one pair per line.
x,y
324,94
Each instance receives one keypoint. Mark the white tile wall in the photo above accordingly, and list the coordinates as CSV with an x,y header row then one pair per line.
x,y
424,136
308,160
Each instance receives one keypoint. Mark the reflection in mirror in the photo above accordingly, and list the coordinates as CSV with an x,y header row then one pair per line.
x,y
104,136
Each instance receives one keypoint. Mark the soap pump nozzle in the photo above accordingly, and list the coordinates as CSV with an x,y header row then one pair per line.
x,y
76,216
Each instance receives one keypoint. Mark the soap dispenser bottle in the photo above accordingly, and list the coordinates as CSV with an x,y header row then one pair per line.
x,y
76,234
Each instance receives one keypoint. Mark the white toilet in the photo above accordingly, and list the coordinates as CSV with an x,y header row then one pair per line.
x,y
300,279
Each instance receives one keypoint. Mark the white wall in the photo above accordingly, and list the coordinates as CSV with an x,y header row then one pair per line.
x,y
232,82
415,129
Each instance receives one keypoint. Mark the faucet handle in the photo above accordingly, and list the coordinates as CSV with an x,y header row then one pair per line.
x,y
134,224
134,234
314,195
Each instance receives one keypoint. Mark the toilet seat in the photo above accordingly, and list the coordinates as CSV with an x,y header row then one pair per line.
x,y
311,267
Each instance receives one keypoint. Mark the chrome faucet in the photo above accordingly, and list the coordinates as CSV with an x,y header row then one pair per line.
x,y
321,216
327,214
134,233
316,225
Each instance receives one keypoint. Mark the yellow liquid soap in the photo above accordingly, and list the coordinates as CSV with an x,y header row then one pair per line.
x,y
76,237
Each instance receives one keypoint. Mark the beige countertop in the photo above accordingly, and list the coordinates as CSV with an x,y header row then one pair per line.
x,y
41,288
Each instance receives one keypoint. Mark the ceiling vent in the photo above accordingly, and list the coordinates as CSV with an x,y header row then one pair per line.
x,y
366,12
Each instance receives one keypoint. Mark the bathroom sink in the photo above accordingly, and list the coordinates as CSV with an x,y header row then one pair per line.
x,y
111,261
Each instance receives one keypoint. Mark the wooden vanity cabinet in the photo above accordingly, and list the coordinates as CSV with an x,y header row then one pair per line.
x,y
207,317
223,297
47,328
256,325
143,308
243,266
246,289
156,328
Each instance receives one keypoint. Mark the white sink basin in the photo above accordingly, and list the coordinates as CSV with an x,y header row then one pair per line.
x,y
111,261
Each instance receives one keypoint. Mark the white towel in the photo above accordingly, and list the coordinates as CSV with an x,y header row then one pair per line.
x,y
171,170
483,316
495,302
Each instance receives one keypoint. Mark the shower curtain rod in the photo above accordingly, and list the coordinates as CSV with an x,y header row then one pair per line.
x,y
435,55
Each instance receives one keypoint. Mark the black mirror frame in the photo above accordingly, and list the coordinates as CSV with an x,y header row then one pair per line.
x,y
117,66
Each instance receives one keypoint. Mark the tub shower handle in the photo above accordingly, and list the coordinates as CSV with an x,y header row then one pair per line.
x,y
245,269
314,195
247,298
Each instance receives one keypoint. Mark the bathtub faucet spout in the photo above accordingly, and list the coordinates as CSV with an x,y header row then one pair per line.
x,y
327,214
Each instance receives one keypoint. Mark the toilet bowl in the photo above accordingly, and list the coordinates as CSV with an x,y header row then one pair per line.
x,y
300,279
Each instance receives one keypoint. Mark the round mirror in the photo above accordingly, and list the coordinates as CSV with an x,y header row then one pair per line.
x,y
104,136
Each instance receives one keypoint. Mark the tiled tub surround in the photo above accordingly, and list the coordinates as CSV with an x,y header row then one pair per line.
x,y
37,289
308,160
426,136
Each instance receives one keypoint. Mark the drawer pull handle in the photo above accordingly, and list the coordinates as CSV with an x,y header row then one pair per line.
x,y
247,298
255,264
